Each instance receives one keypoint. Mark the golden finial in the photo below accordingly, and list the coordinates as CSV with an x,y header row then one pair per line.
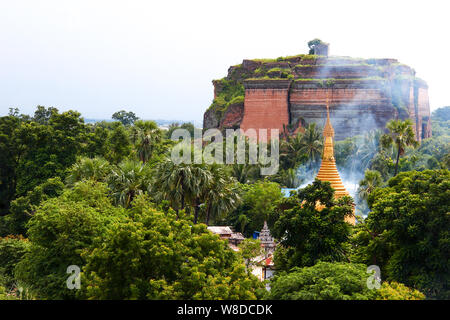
x,y
328,130
328,108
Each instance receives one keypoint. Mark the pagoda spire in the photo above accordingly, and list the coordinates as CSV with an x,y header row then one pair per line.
x,y
328,170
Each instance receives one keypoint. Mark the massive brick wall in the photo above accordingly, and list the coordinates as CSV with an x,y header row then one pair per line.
x,y
266,105
289,92
353,109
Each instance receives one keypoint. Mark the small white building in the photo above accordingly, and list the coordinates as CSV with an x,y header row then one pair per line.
x,y
226,233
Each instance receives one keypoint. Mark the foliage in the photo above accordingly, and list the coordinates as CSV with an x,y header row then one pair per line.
x,y
4,295
157,256
60,229
259,202
222,195
372,180
126,118
250,249
401,135
186,126
230,91
31,152
12,249
147,137
127,180
398,291
95,169
23,208
335,281
313,43
323,281
311,144
407,231
308,233
440,121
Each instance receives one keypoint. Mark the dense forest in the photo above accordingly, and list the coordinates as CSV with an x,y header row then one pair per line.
x,y
107,197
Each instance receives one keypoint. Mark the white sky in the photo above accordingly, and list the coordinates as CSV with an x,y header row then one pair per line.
x,y
157,58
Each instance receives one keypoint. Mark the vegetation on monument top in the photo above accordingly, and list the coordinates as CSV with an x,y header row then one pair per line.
x,y
287,58
231,91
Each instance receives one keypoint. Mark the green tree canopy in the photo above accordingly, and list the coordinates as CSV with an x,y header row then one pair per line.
x,y
126,118
308,234
23,208
407,231
259,201
60,229
12,250
157,256
335,281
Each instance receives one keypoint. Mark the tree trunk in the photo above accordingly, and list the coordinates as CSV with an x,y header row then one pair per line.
x,y
396,163
208,213
196,210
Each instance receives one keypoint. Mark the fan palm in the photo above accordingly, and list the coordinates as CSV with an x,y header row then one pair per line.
x,y
372,180
145,135
96,169
368,148
221,195
291,153
245,173
311,144
127,180
181,184
401,135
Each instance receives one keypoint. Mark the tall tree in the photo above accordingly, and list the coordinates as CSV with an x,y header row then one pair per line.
x,y
335,281
119,144
182,184
126,118
59,232
311,144
307,233
96,169
156,255
128,180
407,231
401,135
222,195
372,180
145,135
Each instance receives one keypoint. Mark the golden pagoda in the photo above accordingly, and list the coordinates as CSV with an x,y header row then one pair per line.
x,y
328,171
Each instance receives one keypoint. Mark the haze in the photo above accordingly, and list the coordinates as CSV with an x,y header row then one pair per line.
x,y
158,58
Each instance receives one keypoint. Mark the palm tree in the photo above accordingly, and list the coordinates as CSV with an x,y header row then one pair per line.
x,y
401,135
311,143
290,178
243,221
291,151
127,180
222,194
96,169
181,184
368,148
169,183
145,135
245,173
372,180
198,187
